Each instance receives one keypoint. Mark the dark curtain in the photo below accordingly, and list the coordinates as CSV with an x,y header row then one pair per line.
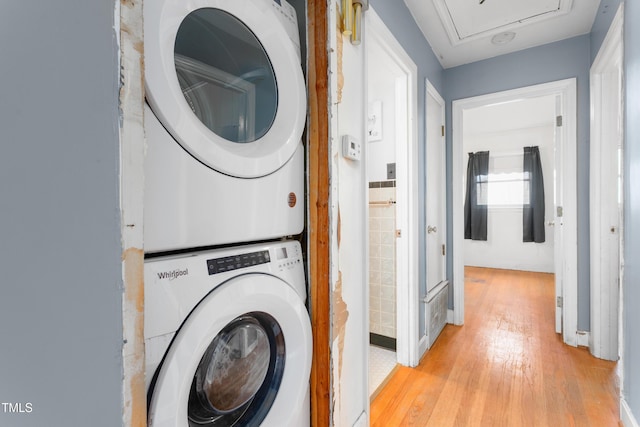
x,y
533,208
475,203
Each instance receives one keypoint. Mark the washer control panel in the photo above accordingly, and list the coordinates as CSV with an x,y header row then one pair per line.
x,y
282,257
236,262
287,257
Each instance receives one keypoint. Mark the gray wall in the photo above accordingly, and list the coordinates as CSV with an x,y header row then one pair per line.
x,y
557,61
60,303
606,12
400,22
631,288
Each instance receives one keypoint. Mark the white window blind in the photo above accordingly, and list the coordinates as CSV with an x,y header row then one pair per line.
x,y
506,185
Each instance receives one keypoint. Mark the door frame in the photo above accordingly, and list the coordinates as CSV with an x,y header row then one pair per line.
x,y
566,90
605,297
430,90
407,299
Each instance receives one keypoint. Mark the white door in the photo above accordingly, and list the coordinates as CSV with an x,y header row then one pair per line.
x,y
435,197
606,193
558,220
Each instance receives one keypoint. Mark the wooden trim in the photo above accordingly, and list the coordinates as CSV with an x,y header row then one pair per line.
x,y
318,194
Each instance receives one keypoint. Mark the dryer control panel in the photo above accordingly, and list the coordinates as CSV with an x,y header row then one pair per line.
x,y
287,15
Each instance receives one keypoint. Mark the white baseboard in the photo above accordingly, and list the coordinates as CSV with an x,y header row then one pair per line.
x,y
450,316
362,421
627,418
423,346
582,338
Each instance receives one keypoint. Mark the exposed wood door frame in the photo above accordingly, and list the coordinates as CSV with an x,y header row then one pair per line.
x,y
567,90
319,210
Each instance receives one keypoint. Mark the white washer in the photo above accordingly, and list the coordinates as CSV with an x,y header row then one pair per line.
x,y
226,107
228,338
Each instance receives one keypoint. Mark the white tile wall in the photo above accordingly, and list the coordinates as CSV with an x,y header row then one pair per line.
x,y
382,262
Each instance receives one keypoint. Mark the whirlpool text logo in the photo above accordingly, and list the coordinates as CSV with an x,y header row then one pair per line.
x,y
173,274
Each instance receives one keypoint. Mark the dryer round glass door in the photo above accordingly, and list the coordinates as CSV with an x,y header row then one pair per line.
x,y
239,374
225,75
224,78
241,358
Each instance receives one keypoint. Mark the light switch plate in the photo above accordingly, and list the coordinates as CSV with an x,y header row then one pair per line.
x,y
391,171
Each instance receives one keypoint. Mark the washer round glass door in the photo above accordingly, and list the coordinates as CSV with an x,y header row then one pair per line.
x,y
241,358
225,80
239,374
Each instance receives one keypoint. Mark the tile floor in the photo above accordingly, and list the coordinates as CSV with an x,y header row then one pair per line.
x,y
381,363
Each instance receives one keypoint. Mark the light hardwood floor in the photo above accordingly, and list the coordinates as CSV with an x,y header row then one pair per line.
x,y
505,367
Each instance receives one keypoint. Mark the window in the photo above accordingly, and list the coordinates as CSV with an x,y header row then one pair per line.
x,y
506,185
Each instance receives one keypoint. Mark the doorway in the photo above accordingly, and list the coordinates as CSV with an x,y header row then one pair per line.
x,y
563,215
504,130
391,164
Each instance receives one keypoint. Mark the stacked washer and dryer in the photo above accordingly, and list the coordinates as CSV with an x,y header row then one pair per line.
x,y
227,333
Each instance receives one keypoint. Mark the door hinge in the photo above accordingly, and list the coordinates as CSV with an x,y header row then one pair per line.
x,y
559,211
559,121
442,127
444,252
559,302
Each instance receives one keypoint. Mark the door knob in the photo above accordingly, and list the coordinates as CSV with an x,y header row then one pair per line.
x,y
432,229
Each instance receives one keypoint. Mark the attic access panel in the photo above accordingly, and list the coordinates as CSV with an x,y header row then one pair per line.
x,y
466,20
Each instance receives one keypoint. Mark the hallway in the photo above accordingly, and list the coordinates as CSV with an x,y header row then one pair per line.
x,y
505,367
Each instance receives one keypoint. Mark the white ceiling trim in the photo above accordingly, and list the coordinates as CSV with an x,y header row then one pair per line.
x,y
494,17
458,35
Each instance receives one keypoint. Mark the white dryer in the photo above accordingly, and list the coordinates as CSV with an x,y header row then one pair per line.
x,y
226,107
228,338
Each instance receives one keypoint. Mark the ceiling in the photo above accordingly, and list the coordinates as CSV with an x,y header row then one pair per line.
x,y
460,31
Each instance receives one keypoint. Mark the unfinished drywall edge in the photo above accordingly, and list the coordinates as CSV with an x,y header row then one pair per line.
x,y
339,326
134,411
129,30
335,278
339,48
